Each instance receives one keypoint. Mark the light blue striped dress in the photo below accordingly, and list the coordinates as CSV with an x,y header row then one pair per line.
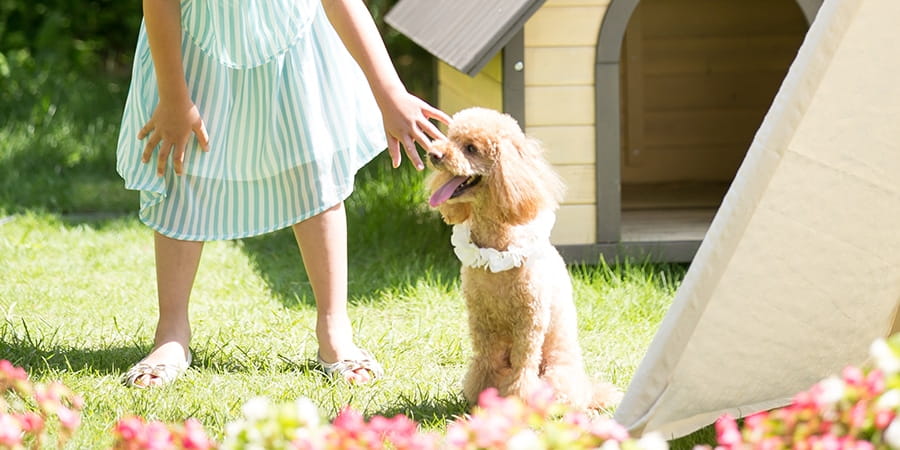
x,y
290,118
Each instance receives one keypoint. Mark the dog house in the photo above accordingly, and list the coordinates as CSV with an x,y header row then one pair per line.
x,y
646,107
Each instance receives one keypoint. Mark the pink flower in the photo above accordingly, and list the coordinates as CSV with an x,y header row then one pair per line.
x,y
541,398
13,373
156,436
858,414
853,375
31,422
608,429
457,435
350,430
129,428
490,429
875,382
883,418
195,437
10,431
69,419
399,430
490,398
727,433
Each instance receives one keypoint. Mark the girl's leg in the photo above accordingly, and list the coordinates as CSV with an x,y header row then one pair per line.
x,y
176,267
323,245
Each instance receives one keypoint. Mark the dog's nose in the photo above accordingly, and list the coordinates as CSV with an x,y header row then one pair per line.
x,y
435,157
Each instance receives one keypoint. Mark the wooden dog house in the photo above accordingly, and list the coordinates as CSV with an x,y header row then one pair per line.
x,y
646,107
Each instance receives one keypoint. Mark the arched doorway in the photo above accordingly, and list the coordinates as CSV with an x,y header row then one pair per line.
x,y
682,87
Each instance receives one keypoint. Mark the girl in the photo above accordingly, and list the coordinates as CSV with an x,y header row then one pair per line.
x,y
291,118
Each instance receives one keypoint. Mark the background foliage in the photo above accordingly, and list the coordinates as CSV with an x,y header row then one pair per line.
x,y
64,74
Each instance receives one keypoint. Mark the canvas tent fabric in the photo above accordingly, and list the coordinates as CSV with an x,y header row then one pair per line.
x,y
800,269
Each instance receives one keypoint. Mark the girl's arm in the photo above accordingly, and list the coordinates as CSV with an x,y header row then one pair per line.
x,y
176,116
406,117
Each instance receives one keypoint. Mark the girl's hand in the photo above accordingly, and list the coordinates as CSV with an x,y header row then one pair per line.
x,y
170,128
407,121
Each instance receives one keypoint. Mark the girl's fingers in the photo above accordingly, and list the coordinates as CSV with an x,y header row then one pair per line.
x,y
394,150
164,151
178,158
202,135
411,152
145,130
431,131
148,148
434,113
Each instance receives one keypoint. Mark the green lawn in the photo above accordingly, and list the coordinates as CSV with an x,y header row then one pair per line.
x,y
77,288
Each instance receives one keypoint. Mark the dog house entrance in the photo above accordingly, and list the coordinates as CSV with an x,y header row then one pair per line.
x,y
696,77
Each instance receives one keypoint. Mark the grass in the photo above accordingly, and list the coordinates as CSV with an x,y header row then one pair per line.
x,y
77,288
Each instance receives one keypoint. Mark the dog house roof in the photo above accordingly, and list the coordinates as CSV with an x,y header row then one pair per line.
x,y
464,33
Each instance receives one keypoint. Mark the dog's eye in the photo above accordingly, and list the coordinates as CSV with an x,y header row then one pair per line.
x,y
471,148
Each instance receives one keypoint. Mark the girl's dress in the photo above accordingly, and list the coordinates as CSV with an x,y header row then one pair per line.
x,y
290,117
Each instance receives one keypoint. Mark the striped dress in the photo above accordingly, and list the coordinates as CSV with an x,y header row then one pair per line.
x,y
289,114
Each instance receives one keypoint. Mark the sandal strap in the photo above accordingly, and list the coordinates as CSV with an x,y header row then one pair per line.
x,y
346,366
167,373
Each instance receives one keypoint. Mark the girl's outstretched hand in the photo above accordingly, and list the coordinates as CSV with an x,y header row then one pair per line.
x,y
170,128
407,120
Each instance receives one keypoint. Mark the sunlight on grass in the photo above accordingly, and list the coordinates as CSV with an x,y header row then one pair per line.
x,y
78,294
79,306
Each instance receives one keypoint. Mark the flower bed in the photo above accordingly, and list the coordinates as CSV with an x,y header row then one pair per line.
x,y
856,410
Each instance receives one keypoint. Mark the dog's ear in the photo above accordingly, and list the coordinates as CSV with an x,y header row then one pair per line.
x,y
522,183
454,213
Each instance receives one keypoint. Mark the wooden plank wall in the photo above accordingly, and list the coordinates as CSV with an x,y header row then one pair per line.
x,y
560,50
698,77
457,90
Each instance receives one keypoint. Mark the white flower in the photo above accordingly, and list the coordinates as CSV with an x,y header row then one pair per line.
x,y
307,411
257,408
888,400
892,434
610,445
652,441
833,389
884,356
524,440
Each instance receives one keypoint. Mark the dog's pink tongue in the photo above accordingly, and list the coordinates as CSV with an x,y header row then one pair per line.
x,y
444,192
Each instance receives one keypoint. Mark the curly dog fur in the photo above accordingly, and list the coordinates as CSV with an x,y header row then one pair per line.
x,y
523,324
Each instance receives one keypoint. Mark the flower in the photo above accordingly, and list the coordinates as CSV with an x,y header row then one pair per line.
x,y
832,391
524,440
652,441
10,431
884,356
256,408
892,434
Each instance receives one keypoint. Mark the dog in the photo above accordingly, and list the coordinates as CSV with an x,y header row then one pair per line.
x,y
492,183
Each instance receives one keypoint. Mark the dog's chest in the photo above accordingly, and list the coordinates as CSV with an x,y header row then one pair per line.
x,y
506,297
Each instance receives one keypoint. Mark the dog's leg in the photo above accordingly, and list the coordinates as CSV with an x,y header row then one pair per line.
x,y
563,369
489,365
524,359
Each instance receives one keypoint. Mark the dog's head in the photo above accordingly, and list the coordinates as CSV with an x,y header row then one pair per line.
x,y
487,166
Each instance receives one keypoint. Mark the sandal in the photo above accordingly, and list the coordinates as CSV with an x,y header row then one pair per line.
x,y
166,373
346,367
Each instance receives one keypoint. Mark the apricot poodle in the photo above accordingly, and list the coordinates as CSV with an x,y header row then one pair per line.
x,y
493,184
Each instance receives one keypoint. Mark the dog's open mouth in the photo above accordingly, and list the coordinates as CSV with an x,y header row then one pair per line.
x,y
453,188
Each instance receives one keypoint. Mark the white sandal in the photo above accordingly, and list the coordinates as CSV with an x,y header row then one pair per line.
x,y
346,367
166,373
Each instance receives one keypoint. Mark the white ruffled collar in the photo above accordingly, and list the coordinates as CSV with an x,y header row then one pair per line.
x,y
535,238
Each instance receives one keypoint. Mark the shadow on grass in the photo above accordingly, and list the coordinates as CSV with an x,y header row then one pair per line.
x,y
429,411
394,241
38,358
39,354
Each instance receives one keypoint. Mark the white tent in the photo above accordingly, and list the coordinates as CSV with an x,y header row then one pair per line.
x,y
800,270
